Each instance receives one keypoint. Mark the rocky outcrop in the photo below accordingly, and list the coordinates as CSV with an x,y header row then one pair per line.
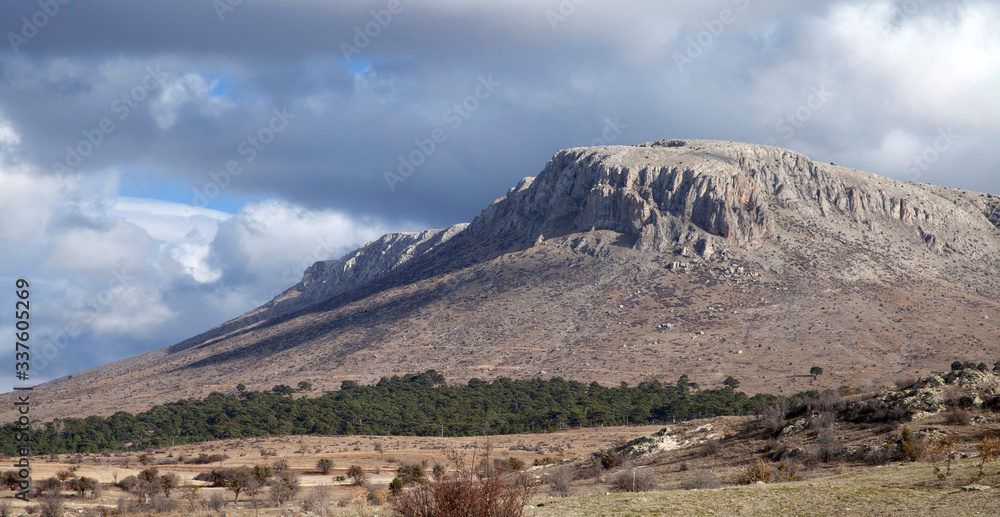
x,y
370,262
666,194
678,194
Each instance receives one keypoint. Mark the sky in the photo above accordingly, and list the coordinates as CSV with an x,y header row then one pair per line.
x,y
167,165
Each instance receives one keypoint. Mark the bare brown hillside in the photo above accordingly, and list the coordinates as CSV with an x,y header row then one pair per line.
x,y
622,264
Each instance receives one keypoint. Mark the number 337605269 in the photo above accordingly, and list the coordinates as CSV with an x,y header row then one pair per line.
x,y
22,314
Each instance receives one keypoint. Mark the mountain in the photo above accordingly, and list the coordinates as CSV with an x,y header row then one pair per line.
x,y
622,264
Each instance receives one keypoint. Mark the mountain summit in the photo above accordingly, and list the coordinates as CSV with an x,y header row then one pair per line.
x,y
622,263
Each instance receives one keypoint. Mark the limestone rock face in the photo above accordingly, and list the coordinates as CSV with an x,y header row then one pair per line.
x,y
665,194
684,194
371,261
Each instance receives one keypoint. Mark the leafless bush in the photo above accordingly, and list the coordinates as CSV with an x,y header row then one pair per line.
x,y
160,505
829,448
592,470
959,417
204,459
633,480
828,402
559,481
316,500
126,506
467,494
772,419
875,455
284,488
702,479
712,446
215,502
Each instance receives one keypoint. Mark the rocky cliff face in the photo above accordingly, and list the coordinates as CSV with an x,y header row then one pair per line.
x,y
616,264
671,193
372,261
699,194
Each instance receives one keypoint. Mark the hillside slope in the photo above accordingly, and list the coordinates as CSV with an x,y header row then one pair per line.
x,y
616,264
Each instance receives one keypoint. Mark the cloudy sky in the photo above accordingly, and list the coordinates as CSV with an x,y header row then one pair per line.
x,y
167,165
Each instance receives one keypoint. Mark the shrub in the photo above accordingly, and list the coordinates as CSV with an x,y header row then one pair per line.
x,y
765,471
772,419
559,481
876,455
959,417
357,474
51,506
875,411
942,448
51,485
759,472
160,505
511,464
701,479
324,466
633,480
129,483
410,473
286,485
909,445
280,466
316,501
204,459
488,493
989,450
829,448
82,485
712,446
215,502
610,460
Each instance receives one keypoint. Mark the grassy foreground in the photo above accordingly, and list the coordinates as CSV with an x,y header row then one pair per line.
x,y
903,490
